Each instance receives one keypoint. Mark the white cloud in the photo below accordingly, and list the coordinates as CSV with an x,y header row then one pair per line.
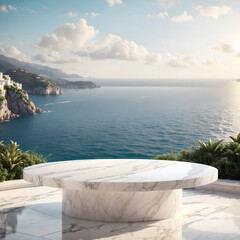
x,y
184,17
72,14
3,9
228,48
181,61
167,3
224,47
92,14
11,7
210,62
162,15
71,36
11,51
68,35
114,47
30,10
213,11
159,15
46,58
54,57
114,2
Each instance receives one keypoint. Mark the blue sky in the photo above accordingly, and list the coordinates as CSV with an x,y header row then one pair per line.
x,y
125,38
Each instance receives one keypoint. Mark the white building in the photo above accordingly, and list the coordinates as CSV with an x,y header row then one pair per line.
x,y
1,84
6,80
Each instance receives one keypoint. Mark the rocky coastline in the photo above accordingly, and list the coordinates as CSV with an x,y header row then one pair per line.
x,y
17,104
49,90
5,113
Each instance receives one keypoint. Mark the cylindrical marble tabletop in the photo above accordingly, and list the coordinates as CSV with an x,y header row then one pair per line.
x,y
121,190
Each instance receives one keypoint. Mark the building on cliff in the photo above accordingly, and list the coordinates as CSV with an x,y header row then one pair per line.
x,y
5,80
14,101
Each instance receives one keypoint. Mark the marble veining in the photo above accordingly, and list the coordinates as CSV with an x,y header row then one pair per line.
x,y
121,190
122,206
121,175
38,215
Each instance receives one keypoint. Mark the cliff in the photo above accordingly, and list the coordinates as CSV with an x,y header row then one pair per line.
x,y
34,83
5,113
49,90
16,103
20,104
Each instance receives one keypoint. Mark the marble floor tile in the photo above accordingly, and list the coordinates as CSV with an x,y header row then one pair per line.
x,y
19,236
52,209
170,229
29,195
36,213
27,221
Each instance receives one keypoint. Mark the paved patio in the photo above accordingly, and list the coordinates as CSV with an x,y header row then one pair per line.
x,y
30,213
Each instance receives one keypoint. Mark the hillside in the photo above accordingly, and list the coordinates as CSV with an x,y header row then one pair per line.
x,y
5,66
56,76
47,72
33,83
73,84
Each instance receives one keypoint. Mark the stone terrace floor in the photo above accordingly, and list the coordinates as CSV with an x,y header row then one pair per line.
x,y
30,213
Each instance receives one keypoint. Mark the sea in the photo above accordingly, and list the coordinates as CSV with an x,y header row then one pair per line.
x,y
137,122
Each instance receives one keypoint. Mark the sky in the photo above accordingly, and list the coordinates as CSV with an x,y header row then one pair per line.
x,y
147,39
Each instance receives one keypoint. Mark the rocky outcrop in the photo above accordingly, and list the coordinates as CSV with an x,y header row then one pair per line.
x,y
20,104
49,90
5,113
17,104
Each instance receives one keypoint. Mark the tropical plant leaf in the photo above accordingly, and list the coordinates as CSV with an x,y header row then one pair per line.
x,y
237,139
211,147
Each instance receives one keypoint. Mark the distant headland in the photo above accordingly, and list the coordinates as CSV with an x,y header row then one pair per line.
x,y
39,79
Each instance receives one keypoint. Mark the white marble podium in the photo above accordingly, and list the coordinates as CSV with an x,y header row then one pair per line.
x,y
121,190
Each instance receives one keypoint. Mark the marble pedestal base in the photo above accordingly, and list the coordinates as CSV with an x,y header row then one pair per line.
x,y
122,206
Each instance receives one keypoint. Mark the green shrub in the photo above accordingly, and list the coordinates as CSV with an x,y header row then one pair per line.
x,y
13,161
2,98
224,156
237,139
3,173
7,87
168,156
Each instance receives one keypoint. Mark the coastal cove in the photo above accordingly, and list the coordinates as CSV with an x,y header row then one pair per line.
x,y
125,122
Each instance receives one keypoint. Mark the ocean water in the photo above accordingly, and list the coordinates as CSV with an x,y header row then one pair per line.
x,y
126,122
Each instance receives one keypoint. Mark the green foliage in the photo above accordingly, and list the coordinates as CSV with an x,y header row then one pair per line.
x,y
2,98
237,139
224,156
29,80
168,156
11,157
210,147
3,173
6,87
13,161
